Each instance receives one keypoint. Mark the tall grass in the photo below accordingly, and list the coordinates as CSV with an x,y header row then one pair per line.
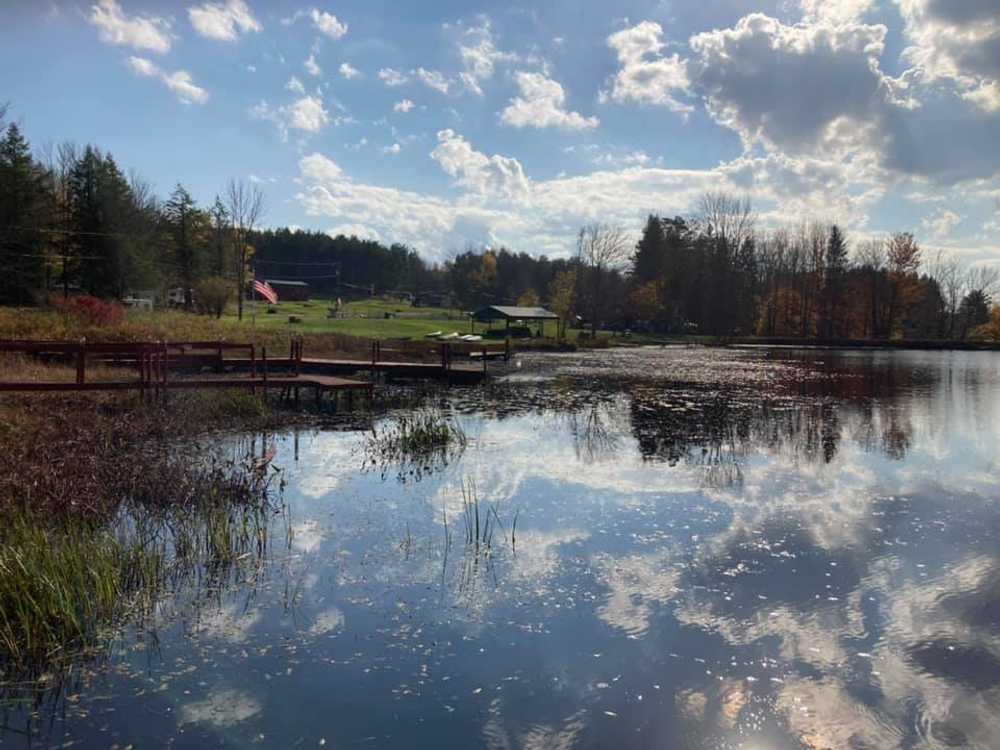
x,y
415,442
168,325
67,582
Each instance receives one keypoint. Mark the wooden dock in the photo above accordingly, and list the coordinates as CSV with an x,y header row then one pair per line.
x,y
153,362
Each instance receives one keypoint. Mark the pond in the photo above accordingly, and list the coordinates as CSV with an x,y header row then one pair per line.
x,y
684,548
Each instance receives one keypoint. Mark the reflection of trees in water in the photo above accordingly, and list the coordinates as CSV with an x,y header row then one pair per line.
x,y
719,429
594,430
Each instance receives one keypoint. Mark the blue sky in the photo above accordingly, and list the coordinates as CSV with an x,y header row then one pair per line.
x,y
447,123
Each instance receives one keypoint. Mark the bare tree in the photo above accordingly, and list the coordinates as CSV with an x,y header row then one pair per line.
x,y
871,260
245,204
982,279
728,218
600,248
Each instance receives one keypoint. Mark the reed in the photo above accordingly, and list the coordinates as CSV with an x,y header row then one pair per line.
x,y
415,442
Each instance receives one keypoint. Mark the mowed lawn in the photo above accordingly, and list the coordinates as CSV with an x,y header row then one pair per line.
x,y
366,318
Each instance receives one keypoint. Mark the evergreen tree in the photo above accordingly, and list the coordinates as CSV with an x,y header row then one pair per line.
x,y
649,262
182,219
834,279
22,204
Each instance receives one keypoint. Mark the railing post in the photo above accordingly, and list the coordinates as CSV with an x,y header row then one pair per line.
x,y
81,361
506,350
485,350
253,362
263,362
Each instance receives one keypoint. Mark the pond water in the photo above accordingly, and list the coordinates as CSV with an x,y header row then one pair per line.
x,y
686,548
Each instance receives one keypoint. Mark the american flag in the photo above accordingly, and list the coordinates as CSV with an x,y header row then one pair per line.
x,y
266,291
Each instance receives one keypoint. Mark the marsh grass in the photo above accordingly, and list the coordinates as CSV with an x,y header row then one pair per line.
x,y
415,443
482,520
67,584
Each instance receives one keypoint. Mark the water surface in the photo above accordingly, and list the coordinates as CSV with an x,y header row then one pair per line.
x,y
712,549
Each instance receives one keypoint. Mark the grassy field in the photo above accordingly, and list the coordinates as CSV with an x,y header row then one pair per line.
x,y
365,318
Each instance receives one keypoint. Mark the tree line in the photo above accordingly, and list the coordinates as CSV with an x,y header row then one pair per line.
x,y
72,220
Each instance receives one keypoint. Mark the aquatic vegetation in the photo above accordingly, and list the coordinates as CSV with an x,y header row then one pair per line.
x,y
415,442
482,519
67,583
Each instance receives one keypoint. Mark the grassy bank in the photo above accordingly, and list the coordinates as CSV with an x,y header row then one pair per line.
x,y
109,504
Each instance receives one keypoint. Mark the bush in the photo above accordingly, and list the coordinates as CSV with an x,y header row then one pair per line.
x,y
212,295
90,310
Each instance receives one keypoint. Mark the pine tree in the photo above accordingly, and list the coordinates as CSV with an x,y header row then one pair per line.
x,y
180,213
21,207
834,279
649,262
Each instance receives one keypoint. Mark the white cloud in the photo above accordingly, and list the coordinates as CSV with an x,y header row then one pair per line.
x,y
630,159
312,67
392,77
495,175
141,32
223,21
394,149
747,75
306,114
956,41
835,11
542,105
433,79
143,67
646,76
542,217
941,224
480,56
178,81
327,23
404,105
771,82
349,72
295,85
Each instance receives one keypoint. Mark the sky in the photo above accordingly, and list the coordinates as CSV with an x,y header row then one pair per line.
x,y
444,124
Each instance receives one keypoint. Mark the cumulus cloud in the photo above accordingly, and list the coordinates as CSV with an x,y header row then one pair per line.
x,y
306,114
835,11
776,83
327,23
491,175
542,105
957,41
141,32
393,150
941,224
348,71
646,76
433,79
295,85
392,77
818,88
223,21
312,67
498,206
480,56
404,105
178,81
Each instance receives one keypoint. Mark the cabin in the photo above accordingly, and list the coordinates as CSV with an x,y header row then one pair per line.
x,y
290,291
520,317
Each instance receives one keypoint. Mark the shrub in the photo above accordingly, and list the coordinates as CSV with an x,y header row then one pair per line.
x,y
90,310
211,296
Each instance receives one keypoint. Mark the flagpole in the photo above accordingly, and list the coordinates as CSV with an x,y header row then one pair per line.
x,y
253,297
